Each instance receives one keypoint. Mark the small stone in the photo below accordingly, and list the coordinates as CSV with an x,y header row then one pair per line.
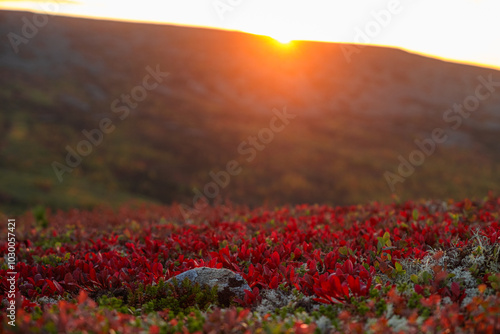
x,y
229,284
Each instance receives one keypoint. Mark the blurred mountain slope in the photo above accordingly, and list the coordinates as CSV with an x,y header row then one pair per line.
x,y
353,118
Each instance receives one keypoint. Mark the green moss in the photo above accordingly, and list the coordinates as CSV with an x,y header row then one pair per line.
x,y
185,297
360,306
113,303
380,307
53,242
40,215
51,259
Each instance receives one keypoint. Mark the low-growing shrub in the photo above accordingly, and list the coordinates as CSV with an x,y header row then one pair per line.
x,y
184,297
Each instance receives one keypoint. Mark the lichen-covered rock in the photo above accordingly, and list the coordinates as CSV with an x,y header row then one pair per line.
x,y
229,284
274,299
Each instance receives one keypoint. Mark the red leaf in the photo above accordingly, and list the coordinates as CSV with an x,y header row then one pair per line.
x,y
321,300
251,270
326,285
153,268
345,290
348,267
276,258
455,289
92,274
77,275
242,315
354,284
82,297
338,289
58,286
297,253
68,278
160,269
274,283
363,273
49,285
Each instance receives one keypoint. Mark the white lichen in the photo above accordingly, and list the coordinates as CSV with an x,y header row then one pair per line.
x,y
324,324
398,324
465,263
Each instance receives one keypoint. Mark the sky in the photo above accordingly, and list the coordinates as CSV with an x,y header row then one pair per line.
x,y
465,31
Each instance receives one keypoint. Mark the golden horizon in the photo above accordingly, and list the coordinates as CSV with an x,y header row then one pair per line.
x,y
282,33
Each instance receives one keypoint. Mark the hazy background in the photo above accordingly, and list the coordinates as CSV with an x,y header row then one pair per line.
x,y
357,112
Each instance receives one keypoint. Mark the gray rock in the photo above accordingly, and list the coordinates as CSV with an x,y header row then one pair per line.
x,y
229,284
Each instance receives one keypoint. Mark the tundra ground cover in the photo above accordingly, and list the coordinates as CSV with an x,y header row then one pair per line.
x,y
405,267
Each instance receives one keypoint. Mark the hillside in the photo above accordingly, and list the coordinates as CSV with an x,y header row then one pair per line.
x,y
351,119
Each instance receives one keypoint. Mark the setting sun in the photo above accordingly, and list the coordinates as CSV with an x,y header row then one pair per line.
x,y
282,39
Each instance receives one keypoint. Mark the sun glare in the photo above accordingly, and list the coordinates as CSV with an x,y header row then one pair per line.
x,y
283,39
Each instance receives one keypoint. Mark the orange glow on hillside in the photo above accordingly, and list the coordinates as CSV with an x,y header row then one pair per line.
x,y
423,27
